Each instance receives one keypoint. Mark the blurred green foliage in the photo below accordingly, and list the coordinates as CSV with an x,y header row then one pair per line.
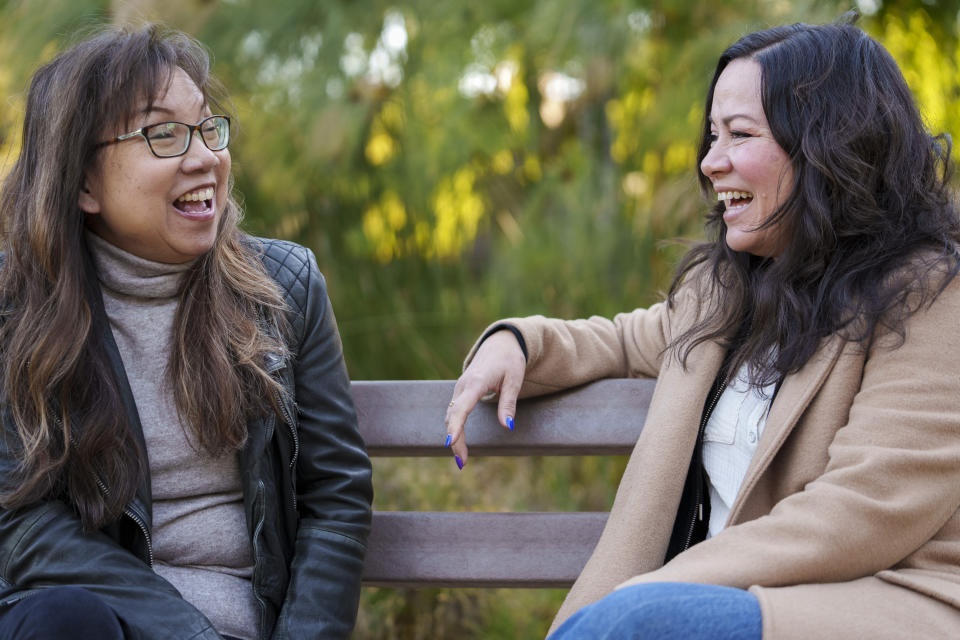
x,y
455,162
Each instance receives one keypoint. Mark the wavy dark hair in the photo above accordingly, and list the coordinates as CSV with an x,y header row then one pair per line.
x,y
73,439
871,224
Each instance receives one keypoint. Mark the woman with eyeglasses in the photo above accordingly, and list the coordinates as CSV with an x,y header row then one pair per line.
x,y
798,473
180,455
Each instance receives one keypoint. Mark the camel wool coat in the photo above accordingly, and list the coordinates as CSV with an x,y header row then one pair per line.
x,y
847,522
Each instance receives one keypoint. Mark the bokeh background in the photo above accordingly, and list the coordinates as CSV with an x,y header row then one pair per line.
x,y
451,162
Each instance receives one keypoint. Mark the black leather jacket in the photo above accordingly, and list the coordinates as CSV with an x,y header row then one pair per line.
x,y
306,487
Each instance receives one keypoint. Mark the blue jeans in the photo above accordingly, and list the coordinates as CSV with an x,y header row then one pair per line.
x,y
667,611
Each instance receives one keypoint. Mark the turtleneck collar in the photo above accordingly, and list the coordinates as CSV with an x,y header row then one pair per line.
x,y
124,273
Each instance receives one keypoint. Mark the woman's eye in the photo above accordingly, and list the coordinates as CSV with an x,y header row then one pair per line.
x,y
739,134
712,138
162,131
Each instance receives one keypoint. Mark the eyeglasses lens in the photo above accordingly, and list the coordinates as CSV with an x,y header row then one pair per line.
x,y
172,138
215,132
168,138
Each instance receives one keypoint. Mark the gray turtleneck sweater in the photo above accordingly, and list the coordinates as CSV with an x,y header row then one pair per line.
x,y
200,540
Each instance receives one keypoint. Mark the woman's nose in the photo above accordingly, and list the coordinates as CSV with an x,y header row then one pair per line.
x,y
199,156
716,162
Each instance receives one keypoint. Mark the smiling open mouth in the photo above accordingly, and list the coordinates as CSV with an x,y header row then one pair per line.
x,y
735,198
195,202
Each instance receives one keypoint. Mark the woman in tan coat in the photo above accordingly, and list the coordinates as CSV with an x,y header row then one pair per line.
x,y
798,475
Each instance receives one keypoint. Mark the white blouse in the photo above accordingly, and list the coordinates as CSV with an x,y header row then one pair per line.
x,y
729,442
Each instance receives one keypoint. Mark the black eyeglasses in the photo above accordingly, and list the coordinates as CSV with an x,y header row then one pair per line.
x,y
172,139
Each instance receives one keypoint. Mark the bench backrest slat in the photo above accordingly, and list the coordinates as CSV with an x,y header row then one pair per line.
x,y
405,418
449,549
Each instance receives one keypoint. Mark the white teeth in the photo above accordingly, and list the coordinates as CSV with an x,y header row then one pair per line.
x,y
198,195
733,195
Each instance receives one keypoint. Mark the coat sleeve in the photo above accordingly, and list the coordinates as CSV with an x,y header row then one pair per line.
x,y
44,546
568,353
891,484
334,490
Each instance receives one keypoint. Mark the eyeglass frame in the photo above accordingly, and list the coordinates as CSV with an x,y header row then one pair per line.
x,y
192,127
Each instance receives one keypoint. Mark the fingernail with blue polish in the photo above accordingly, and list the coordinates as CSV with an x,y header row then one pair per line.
x,y
459,462
448,440
510,422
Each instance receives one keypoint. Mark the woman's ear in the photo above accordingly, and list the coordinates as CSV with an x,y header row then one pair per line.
x,y
88,199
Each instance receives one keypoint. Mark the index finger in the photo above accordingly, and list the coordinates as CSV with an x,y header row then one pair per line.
x,y
465,398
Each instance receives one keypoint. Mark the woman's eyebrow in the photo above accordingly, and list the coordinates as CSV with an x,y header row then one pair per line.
x,y
726,120
156,108
166,110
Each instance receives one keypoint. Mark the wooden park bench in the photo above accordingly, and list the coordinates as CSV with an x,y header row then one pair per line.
x,y
470,549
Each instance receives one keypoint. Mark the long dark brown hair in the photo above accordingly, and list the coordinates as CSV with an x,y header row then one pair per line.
x,y
72,435
870,223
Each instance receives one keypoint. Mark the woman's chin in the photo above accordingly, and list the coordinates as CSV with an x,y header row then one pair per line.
x,y
756,243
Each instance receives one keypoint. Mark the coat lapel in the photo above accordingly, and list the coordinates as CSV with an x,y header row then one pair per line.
x,y
795,395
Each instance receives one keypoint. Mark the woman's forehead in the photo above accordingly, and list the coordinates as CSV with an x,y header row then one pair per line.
x,y
178,91
177,94
738,92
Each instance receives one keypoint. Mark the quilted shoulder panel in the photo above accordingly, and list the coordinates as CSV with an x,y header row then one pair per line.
x,y
294,269
288,264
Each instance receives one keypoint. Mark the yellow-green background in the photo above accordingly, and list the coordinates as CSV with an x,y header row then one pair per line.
x,y
435,207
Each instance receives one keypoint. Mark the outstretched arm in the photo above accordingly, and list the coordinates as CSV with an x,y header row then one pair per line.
x,y
549,355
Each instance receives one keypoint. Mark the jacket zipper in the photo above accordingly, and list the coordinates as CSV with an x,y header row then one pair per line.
x,y
286,414
293,434
698,507
259,502
129,512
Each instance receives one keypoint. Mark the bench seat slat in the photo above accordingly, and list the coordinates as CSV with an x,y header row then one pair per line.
x,y
405,418
450,549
